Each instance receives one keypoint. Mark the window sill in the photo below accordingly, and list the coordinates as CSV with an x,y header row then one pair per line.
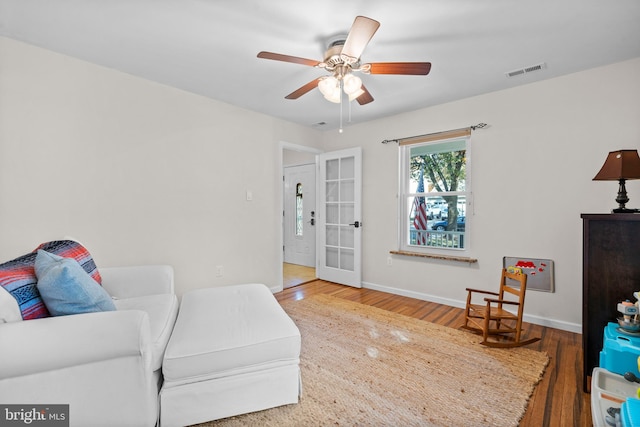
x,y
434,256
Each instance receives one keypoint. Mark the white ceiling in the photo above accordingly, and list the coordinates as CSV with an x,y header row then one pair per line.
x,y
209,47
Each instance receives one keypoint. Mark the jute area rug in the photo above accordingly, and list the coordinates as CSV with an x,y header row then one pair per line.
x,y
363,366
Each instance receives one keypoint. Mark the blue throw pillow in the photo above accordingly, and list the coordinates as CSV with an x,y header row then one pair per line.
x,y
66,288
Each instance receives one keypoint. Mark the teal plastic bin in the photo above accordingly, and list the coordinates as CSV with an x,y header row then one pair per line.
x,y
630,413
620,351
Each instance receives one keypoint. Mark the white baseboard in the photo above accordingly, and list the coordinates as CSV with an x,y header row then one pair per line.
x,y
276,289
550,323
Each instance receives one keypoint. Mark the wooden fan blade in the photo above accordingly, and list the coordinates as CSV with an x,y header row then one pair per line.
x,y
365,98
360,34
304,89
412,68
288,58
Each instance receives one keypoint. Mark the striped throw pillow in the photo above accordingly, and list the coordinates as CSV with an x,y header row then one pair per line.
x,y
18,276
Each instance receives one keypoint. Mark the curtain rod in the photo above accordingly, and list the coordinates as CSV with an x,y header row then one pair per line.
x,y
436,134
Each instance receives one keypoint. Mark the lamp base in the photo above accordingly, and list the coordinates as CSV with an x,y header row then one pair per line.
x,y
625,210
622,199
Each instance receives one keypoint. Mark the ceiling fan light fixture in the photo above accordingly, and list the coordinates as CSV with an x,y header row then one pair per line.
x,y
333,97
328,85
352,84
342,59
356,94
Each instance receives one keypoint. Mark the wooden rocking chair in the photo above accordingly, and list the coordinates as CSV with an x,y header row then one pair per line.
x,y
490,318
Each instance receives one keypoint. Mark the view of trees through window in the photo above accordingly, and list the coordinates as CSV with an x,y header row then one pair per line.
x,y
435,195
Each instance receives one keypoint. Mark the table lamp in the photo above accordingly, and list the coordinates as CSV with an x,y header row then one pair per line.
x,y
620,166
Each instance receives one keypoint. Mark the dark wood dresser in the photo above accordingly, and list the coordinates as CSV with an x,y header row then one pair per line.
x,y
610,274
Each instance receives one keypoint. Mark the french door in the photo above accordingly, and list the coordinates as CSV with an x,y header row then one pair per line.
x,y
339,242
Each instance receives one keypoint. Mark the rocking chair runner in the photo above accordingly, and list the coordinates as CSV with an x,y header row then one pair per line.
x,y
490,319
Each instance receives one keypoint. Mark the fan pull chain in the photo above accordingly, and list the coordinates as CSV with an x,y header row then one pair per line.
x,y
341,97
349,104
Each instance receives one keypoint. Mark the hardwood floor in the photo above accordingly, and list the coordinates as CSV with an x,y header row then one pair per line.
x,y
294,275
558,399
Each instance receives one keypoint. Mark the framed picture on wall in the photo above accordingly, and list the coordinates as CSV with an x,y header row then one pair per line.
x,y
539,271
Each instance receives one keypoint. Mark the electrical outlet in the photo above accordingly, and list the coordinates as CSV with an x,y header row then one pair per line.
x,y
389,261
219,270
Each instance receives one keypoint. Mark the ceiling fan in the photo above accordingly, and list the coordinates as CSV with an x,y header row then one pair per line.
x,y
342,59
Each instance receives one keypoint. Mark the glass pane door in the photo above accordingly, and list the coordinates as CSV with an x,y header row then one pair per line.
x,y
341,224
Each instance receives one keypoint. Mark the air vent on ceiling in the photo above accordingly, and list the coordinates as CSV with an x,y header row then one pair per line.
x,y
526,70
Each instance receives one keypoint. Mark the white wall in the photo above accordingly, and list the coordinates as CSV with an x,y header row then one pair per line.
x,y
144,173
532,178
294,158
137,171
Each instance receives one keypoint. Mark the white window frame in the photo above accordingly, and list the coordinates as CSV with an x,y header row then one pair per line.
x,y
406,197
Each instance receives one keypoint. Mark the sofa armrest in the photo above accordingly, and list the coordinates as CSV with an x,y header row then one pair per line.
x,y
136,281
53,343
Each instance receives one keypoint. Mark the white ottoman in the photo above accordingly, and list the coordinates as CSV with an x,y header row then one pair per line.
x,y
233,350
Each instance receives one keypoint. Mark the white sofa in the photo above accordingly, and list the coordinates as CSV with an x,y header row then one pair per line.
x,y
120,355
106,365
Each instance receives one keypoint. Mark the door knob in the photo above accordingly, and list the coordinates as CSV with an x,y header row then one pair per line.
x,y
357,224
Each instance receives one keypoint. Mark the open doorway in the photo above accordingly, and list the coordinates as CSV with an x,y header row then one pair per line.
x,y
299,215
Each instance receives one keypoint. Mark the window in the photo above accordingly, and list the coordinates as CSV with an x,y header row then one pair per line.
x,y
434,196
299,224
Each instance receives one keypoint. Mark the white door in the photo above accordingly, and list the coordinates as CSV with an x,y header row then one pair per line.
x,y
299,215
340,217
